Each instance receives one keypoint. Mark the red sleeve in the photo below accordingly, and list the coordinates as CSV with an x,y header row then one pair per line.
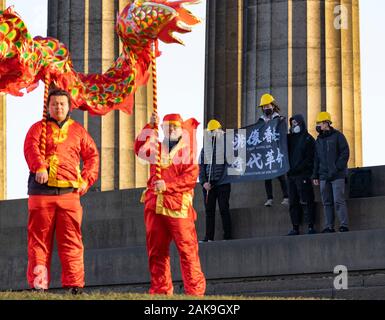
x,y
145,148
90,156
186,181
32,153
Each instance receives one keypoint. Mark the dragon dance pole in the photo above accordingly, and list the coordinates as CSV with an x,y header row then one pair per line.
x,y
155,106
43,140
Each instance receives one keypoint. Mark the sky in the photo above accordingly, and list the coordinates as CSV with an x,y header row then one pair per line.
x,y
181,85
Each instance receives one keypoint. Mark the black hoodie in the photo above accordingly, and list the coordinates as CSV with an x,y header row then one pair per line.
x,y
301,148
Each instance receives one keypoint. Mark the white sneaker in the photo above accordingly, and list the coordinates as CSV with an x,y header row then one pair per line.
x,y
269,203
285,202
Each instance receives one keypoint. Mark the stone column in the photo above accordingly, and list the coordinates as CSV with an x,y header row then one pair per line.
x,y
224,62
88,29
315,62
249,62
333,64
348,78
3,138
357,85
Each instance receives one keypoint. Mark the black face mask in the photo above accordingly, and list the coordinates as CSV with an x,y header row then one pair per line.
x,y
318,129
268,112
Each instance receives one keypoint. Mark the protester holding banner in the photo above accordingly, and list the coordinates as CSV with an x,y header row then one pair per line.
x,y
330,171
271,111
301,156
212,169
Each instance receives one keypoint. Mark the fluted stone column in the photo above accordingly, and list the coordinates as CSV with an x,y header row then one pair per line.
x,y
3,138
224,62
357,84
316,98
87,27
294,50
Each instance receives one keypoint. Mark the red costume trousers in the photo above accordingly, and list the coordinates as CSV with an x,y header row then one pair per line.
x,y
160,231
47,214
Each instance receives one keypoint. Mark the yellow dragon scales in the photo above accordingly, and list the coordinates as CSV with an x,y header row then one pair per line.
x,y
24,60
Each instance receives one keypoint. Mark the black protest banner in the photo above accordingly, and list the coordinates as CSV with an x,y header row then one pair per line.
x,y
259,152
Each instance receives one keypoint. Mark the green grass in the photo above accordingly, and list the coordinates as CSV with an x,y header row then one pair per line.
x,y
95,295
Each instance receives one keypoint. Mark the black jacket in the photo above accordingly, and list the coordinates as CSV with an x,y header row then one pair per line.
x,y
331,156
264,119
301,148
214,169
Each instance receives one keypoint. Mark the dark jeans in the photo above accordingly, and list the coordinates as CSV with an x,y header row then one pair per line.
x,y
269,187
333,197
301,198
222,194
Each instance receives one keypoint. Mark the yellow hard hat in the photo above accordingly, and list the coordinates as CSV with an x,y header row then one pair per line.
x,y
213,125
266,99
324,116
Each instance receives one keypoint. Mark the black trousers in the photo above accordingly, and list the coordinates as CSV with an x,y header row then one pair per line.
x,y
222,194
301,198
269,187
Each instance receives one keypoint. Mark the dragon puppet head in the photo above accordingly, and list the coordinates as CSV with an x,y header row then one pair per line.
x,y
142,22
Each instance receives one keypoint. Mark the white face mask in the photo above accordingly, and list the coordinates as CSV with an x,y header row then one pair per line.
x,y
297,129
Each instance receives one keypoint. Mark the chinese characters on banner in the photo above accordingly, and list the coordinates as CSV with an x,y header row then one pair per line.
x,y
259,152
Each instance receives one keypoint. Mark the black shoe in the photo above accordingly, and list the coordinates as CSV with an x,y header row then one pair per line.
x,y
76,290
328,230
293,233
311,231
343,229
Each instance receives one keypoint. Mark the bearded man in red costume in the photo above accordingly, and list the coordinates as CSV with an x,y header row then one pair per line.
x,y
54,187
168,213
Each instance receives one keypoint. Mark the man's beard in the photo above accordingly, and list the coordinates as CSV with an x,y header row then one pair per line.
x,y
173,137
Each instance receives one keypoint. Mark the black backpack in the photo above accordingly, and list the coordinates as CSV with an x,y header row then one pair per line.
x,y
360,183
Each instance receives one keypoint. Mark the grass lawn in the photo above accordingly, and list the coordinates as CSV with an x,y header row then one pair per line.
x,y
95,295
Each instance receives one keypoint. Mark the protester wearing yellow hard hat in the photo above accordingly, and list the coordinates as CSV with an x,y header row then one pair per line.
x,y
330,171
269,107
323,121
212,167
271,111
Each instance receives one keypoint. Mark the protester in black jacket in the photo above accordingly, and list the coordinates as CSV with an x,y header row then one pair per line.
x,y
301,158
211,171
270,110
330,171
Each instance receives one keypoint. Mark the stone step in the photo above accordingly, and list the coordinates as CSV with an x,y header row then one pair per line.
x,y
129,230
368,285
360,251
125,203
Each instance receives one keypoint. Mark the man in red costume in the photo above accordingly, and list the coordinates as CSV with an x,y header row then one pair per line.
x,y
168,213
55,185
